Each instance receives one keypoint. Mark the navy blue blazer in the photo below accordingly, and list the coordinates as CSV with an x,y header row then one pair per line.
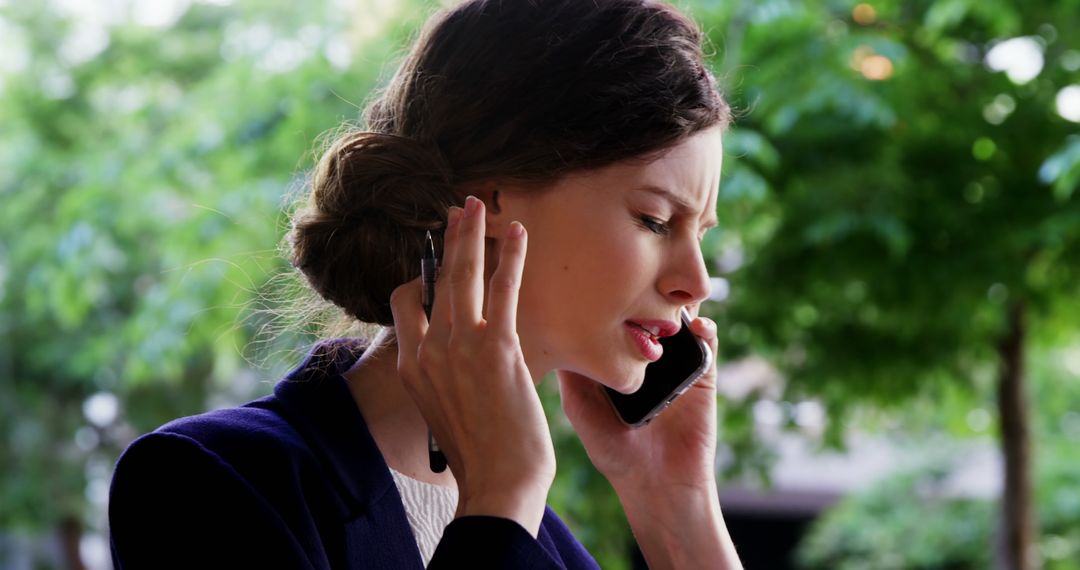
x,y
295,480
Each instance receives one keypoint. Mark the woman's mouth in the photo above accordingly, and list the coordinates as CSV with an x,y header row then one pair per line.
x,y
645,340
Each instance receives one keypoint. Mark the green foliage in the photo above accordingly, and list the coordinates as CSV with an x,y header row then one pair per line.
x,y
903,523
143,189
1062,170
915,521
923,519
886,224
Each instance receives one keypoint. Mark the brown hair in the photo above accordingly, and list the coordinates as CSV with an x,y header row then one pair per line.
x,y
518,90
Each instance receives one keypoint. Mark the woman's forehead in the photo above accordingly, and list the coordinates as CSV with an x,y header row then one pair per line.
x,y
687,175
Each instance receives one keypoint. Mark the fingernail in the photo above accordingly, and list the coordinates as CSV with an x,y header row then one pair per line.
x,y
516,230
472,206
709,324
453,216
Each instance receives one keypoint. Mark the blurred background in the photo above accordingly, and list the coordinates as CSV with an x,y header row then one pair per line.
x,y
897,272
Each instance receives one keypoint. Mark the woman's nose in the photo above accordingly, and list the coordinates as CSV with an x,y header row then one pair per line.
x,y
685,279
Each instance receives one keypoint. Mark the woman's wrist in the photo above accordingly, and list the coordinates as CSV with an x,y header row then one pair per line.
x,y
524,505
679,527
670,502
648,485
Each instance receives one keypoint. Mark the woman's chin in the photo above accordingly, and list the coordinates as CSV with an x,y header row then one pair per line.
x,y
628,384
622,379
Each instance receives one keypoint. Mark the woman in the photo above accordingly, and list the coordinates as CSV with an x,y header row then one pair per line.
x,y
589,135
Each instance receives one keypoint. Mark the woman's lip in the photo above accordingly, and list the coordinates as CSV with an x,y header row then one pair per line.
x,y
650,349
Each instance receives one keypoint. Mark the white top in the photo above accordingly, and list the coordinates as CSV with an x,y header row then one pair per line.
x,y
429,508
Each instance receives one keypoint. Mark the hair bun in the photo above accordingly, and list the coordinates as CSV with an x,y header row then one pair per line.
x,y
361,233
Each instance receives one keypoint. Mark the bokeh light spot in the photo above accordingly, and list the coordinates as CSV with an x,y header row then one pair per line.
x,y
999,109
101,409
864,14
1068,103
876,67
1020,58
997,293
983,149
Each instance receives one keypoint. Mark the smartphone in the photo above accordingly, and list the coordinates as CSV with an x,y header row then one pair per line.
x,y
686,357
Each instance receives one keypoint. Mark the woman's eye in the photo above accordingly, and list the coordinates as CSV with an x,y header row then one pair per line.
x,y
655,226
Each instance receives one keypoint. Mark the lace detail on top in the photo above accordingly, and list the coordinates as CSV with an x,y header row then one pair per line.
x,y
429,508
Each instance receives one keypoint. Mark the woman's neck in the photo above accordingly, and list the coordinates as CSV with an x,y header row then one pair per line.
x,y
391,416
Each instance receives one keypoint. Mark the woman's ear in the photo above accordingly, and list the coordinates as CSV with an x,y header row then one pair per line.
x,y
496,224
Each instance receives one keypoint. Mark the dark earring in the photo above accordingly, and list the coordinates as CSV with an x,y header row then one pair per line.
x,y
495,203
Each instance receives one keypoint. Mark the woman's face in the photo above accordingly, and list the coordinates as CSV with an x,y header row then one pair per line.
x,y
609,248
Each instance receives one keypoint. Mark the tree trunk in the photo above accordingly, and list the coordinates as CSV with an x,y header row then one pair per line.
x,y
1017,531
70,537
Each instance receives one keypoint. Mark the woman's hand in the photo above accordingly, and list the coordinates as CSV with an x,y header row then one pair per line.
x,y
467,375
676,449
662,472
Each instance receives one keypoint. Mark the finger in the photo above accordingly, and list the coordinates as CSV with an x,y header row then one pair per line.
x,y
705,328
467,272
505,283
410,323
441,311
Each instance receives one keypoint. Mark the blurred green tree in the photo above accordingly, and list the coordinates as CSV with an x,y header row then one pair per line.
x,y
144,166
901,202
928,518
915,521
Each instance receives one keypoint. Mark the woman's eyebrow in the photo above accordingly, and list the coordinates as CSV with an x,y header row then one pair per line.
x,y
680,205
